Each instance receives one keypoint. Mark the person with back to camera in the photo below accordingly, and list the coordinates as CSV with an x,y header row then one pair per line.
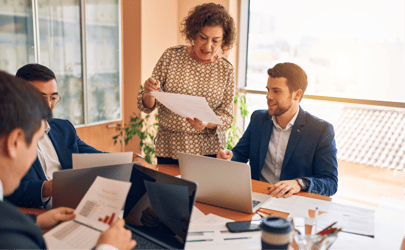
x,y
23,117
195,70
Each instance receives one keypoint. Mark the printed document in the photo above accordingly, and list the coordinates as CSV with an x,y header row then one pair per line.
x,y
188,106
98,209
350,218
210,232
98,160
217,236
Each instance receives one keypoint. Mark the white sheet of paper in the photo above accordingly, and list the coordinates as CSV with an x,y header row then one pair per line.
x,y
388,227
281,204
188,106
99,208
71,235
196,214
352,219
217,236
80,161
212,219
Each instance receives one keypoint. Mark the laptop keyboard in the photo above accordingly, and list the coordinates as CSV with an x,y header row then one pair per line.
x,y
255,203
142,243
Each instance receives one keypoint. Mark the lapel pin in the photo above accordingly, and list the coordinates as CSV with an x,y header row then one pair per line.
x,y
298,130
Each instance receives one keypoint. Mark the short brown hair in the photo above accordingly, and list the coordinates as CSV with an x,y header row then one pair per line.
x,y
296,76
209,14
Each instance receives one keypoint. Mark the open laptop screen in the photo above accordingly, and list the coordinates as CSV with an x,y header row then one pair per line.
x,y
159,205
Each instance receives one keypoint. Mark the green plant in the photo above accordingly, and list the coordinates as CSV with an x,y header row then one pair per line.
x,y
144,130
234,133
142,127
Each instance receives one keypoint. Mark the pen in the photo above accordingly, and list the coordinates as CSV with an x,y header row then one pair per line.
x,y
238,238
327,228
316,221
160,86
202,240
263,214
327,231
263,211
326,236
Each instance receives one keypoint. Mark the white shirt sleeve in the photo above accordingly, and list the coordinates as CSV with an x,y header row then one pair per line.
x,y
106,247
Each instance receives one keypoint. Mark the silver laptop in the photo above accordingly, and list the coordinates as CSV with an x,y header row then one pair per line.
x,y
222,183
70,185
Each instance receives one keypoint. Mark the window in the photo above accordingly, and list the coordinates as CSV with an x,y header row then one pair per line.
x,y
79,41
84,53
353,53
349,49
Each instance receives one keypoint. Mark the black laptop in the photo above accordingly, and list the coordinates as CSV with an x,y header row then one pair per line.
x,y
158,209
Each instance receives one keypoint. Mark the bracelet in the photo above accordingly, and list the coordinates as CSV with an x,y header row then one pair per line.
x,y
140,156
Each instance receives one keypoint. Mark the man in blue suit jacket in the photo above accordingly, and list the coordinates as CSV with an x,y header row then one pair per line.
x,y
54,150
23,116
287,146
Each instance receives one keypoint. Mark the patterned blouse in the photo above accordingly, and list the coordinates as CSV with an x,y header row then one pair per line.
x,y
178,73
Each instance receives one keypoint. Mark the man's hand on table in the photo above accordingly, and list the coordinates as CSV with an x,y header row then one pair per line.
x,y
225,155
284,188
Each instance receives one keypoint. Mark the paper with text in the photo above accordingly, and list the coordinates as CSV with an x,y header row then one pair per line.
x,y
188,106
98,160
350,218
98,209
217,236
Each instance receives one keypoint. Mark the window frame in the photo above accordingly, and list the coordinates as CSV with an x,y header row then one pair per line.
x,y
242,68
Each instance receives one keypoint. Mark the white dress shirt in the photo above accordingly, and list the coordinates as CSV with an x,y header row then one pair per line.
x,y
48,158
1,191
275,154
47,155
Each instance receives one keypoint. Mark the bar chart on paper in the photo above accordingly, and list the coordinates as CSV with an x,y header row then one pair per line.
x,y
107,219
95,213
98,211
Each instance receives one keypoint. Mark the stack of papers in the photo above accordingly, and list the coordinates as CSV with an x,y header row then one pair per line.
x,y
210,232
350,218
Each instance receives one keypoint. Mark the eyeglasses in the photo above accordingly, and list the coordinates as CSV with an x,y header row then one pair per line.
x,y
54,99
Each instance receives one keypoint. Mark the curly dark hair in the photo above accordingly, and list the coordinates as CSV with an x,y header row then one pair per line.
x,y
209,14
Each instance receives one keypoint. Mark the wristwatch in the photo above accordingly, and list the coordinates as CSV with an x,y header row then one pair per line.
x,y
303,183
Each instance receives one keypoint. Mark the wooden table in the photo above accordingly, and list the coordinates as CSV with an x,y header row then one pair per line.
x,y
257,186
389,227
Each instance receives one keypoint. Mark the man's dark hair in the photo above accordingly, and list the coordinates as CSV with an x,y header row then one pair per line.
x,y
296,76
21,106
35,72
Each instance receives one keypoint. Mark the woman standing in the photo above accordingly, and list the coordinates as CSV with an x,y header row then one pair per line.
x,y
199,71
